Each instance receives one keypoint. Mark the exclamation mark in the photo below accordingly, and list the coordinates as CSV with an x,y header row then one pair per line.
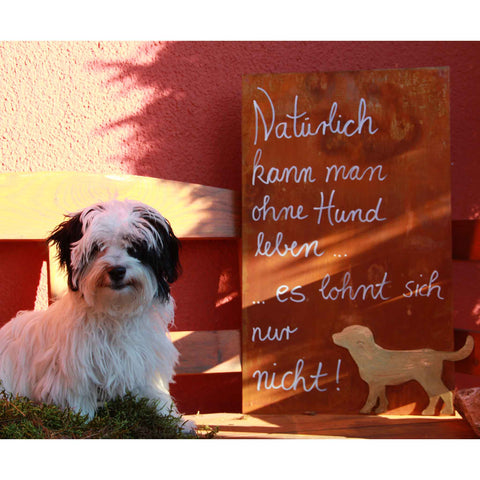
x,y
338,372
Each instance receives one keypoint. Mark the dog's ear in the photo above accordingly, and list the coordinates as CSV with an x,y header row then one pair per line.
x,y
171,248
63,236
164,257
169,265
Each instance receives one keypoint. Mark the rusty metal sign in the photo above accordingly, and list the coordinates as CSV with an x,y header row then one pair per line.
x,y
346,221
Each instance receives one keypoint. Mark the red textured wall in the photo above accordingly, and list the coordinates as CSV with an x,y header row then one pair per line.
x,y
172,110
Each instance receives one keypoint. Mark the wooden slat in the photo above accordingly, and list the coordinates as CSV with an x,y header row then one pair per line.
x,y
236,425
470,365
216,351
32,204
466,239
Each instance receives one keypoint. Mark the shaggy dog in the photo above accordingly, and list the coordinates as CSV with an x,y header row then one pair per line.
x,y
379,368
108,335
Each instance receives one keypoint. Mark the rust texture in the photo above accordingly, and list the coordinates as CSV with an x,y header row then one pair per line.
x,y
346,221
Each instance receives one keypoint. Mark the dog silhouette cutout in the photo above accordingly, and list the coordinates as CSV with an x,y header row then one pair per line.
x,y
380,367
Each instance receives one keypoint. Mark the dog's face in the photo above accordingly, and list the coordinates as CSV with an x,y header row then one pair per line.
x,y
353,336
118,254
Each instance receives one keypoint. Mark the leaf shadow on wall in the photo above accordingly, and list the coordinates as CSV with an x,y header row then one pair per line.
x,y
189,129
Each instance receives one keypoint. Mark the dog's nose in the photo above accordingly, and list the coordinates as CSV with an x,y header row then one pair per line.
x,y
117,273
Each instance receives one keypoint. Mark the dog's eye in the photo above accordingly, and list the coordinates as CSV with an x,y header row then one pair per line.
x,y
96,248
133,251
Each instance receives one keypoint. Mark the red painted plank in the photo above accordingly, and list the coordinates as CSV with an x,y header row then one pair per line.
x,y
471,365
466,239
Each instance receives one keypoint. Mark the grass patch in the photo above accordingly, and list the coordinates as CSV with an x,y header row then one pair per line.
x,y
124,418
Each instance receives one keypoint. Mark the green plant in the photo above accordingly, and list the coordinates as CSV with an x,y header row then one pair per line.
x,y
129,417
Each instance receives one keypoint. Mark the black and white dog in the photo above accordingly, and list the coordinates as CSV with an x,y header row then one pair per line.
x,y
108,334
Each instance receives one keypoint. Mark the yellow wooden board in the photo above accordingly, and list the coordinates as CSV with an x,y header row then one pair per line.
x,y
32,204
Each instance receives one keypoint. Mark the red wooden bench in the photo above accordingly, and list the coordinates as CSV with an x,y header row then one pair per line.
x,y
31,204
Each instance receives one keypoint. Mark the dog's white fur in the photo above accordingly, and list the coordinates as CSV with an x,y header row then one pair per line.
x,y
108,335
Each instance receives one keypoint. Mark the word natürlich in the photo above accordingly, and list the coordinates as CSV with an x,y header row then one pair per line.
x,y
299,126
